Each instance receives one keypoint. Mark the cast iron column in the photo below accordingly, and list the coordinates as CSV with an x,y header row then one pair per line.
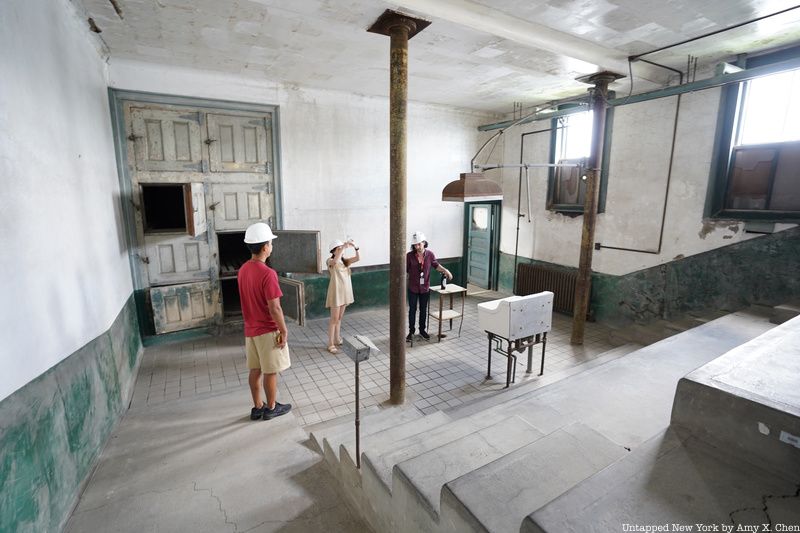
x,y
583,285
400,29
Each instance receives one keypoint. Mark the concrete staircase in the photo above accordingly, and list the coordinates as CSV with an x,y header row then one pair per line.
x,y
596,450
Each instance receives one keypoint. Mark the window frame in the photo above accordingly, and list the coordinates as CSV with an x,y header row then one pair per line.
x,y
728,123
577,209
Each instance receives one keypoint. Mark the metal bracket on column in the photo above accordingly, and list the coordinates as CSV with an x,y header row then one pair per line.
x,y
391,18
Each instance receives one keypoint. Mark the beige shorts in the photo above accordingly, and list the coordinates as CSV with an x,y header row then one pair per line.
x,y
263,353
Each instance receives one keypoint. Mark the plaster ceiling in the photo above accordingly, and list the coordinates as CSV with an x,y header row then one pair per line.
x,y
478,54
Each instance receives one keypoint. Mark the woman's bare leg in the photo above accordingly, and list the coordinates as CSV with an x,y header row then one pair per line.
x,y
338,331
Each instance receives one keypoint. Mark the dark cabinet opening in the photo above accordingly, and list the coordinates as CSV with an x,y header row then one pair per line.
x,y
231,304
173,208
233,253
164,208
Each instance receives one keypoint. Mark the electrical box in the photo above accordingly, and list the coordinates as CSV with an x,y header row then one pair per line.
x,y
359,348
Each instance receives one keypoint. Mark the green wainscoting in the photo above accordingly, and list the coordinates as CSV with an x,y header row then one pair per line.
x,y
54,427
764,270
370,287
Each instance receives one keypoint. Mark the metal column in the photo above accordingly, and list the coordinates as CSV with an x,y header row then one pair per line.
x,y
583,285
400,28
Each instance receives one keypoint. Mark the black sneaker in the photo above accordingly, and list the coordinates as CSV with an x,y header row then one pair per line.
x,y
424,335
257,412
278,410
410,337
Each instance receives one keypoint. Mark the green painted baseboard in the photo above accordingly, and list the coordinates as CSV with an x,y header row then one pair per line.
x,y
54,427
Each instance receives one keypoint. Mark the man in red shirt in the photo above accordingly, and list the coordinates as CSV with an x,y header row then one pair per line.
x,y
418,269
264,327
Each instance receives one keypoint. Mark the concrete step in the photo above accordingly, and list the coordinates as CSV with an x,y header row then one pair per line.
x,y
371,423
498,496
746,402
317,432
418,482
659,329
784,313
630,400
377,464
350,476
669,480
387,438
522,391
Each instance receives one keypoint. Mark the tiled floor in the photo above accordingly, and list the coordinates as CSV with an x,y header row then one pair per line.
x,y
321,386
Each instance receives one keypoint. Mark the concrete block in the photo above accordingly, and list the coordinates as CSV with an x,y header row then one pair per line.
x,y
418,482
670,481
497,497
783,313
748,401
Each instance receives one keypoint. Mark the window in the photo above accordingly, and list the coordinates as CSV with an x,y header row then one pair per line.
x,y
571,144
757,175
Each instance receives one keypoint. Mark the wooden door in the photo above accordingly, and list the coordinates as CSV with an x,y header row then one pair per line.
x,y
237,205
239,144
190,305
166,140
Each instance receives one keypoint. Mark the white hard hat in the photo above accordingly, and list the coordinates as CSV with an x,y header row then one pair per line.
x,y
258,233
417,237
335,244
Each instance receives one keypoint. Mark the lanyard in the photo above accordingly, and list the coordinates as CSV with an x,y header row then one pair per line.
x,y
421,261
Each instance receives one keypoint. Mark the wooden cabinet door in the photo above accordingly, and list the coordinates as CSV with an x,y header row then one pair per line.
x,y
190,305
237,205
175,258
239,144
166,140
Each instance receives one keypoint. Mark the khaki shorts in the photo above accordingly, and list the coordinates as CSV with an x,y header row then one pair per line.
x,y
263,353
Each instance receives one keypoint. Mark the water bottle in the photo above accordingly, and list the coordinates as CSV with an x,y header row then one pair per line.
x,y
444,282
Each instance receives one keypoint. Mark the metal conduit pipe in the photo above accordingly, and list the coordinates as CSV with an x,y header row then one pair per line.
x,y
709,34
657,251
519,199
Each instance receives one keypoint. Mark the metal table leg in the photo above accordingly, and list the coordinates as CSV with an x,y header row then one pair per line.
x,y
508,366
544,345
489,367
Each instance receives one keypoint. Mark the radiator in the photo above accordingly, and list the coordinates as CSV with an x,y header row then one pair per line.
x,y
536,278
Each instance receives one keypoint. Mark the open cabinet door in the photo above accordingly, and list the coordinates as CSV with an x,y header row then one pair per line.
x,y
195,202
191,305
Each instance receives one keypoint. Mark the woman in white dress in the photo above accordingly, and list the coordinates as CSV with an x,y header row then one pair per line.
x,y
340,289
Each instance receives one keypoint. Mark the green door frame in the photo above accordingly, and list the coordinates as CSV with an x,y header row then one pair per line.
x,y
494,245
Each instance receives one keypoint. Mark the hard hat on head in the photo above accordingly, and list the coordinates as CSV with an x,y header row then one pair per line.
x,y
335,244
258,233
417,237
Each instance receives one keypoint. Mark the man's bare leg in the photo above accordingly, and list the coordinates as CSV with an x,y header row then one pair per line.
x,y
255,386
271,386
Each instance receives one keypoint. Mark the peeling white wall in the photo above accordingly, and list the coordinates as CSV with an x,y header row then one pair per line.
x,y
334,150
638,168
63,265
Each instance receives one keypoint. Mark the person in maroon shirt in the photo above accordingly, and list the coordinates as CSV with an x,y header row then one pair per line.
x,y
418,270
264,326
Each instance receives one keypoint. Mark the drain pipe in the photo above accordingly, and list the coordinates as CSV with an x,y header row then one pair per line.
x,y
583,285
400,28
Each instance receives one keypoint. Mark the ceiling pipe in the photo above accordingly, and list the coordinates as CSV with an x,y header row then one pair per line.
x,y
495,22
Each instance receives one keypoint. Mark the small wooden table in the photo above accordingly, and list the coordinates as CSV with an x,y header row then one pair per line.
x,y
450,290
